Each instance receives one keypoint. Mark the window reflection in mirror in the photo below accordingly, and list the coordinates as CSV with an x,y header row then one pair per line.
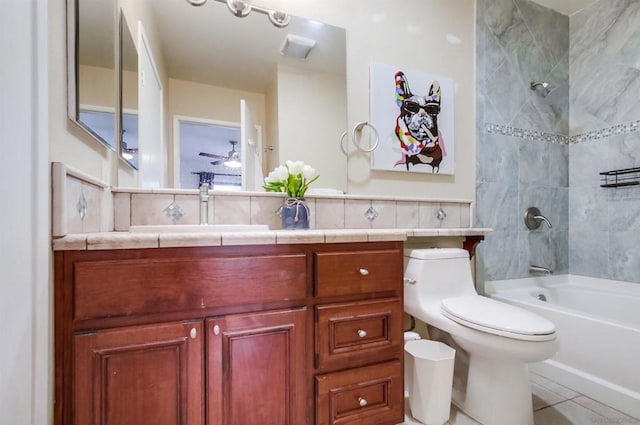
x,y
94,103
128,95
206,148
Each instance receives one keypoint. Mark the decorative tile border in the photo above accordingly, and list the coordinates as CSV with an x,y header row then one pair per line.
x,y
616,130
521,133
539,136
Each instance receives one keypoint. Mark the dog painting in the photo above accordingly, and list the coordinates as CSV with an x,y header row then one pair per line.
x,y
415,129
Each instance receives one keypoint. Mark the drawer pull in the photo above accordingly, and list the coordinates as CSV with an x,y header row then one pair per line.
x,y
216,330
409,281
362,333
362,401
193,333
364,272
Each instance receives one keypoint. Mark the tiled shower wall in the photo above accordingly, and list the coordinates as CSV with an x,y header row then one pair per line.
x,y
519,42
530,147
604,235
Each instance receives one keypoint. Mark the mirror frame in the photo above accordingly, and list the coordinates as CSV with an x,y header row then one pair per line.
x,y
73,72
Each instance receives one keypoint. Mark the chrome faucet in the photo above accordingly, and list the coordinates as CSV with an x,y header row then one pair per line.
x,y
204,203
533,217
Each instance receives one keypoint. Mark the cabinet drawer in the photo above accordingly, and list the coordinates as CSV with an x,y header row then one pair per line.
x,y
127,287
345,273
356,333
369,396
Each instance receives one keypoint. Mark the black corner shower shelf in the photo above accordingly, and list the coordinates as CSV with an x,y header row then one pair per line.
x,y
621,178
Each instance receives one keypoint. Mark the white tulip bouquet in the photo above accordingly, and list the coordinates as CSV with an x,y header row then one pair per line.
x,y
292,178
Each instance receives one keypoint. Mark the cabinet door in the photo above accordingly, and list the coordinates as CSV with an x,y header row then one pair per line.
x,y
256,369
139,375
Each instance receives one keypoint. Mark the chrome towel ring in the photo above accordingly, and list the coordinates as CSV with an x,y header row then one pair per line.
x,y
358,129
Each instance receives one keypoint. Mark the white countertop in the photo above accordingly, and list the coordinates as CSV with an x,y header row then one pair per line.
x,y
126,240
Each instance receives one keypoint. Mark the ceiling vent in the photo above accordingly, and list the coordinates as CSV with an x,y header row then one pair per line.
x,y
297,46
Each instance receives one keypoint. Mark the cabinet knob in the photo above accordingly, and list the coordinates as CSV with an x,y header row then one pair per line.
x,y
364,272
362,401
193,333
362,333
216,330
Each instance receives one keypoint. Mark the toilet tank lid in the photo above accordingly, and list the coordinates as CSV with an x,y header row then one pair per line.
x,y
436,253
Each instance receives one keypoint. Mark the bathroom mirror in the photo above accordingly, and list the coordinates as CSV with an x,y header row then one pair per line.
x,y
128,113
209,60
92,72
213,60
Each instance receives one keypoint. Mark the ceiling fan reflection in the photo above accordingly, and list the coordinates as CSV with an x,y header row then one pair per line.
x,y
232,160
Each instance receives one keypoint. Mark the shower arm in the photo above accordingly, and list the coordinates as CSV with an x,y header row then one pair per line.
x,y
535,84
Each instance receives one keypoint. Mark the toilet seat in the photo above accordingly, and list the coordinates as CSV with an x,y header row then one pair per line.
x,y
498,318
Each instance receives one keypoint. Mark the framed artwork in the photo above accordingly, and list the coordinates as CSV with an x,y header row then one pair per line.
x,y
412,112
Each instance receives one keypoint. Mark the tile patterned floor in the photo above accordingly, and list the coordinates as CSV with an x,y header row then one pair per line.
x,y
553,404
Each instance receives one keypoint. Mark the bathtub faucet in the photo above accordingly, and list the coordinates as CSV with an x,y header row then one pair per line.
x,y
533,217
543,218
539,270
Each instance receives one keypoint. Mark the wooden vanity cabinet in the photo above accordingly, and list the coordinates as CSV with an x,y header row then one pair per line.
x,y
359,336
247,335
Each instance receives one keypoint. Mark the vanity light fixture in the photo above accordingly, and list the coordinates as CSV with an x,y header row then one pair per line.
x,y
241,8
297,46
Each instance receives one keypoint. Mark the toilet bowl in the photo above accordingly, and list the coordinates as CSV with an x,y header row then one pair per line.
x,y
492,382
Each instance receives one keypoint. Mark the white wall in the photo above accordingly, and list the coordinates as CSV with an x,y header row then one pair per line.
x,y
101,82
411,34
210,102
319,102
25,358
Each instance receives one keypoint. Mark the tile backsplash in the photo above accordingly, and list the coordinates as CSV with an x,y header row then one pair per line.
x,y
80,203
326,212
116,209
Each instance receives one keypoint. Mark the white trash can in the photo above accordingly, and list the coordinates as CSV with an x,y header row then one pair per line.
x,y
430,387
408,371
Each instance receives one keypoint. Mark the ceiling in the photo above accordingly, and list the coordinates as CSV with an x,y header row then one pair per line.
x,y
566,7
209,45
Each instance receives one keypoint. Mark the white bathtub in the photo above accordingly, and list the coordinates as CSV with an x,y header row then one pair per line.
x,y
598,324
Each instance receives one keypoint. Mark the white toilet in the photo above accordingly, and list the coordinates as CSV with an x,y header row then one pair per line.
x,y
491,381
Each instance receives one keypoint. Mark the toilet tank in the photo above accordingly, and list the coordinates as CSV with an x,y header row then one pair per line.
x,y
438,273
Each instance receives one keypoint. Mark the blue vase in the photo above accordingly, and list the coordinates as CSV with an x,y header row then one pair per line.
x,y
295,214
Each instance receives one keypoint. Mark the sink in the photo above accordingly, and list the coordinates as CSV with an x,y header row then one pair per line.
x,y
197,228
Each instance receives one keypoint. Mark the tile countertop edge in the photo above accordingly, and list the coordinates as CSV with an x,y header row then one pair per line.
x,y
126,240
